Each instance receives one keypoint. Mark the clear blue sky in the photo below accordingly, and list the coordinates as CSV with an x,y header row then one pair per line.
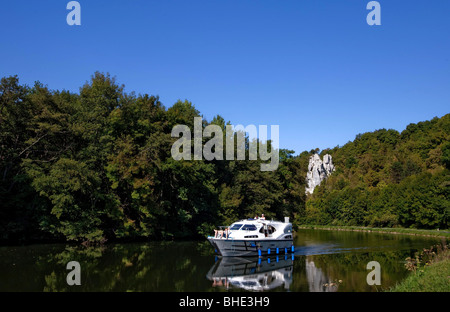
x,y
315,68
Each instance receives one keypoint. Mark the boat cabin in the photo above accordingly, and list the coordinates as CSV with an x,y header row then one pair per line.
x,y
256,229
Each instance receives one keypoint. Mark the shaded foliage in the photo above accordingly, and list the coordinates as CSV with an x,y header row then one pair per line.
x,y
97,165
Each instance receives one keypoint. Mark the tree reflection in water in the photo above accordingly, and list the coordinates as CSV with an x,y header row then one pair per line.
x,y
191,266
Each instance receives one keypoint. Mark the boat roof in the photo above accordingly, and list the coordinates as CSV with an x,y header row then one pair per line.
x,y
251,220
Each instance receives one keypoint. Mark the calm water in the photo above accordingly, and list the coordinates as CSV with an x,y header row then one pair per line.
x,y
323,261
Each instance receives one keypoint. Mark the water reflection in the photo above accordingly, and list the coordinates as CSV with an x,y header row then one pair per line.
x,y
323,261
157,266
317,280
271,274
253,274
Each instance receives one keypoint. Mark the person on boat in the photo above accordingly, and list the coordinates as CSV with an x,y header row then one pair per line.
x,y
218,233
262,217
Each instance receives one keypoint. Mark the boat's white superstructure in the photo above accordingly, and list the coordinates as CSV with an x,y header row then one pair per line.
x,y
252,237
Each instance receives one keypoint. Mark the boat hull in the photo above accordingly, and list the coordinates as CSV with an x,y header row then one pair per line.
x,y
247,248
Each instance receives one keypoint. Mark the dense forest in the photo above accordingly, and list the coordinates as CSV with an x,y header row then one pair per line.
x,y
388,179
96,165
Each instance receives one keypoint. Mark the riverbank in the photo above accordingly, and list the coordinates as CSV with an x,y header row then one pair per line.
x,y
403,231
427,276
430,269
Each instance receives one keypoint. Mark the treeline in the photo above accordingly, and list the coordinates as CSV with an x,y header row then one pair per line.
x,y
388,179
96,165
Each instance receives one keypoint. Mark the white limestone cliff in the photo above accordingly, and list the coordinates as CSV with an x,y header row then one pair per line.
x,y
318,171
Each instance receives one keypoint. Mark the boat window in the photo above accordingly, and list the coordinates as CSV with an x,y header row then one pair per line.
x,y
249,227
235,227
267,229
288,229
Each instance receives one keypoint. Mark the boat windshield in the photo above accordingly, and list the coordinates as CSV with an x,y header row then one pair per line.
x,y
249,227
235,227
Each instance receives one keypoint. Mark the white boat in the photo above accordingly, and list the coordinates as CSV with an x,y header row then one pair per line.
x,y
253,237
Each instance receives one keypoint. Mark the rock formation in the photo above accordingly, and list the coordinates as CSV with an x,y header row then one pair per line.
x,y
318,170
